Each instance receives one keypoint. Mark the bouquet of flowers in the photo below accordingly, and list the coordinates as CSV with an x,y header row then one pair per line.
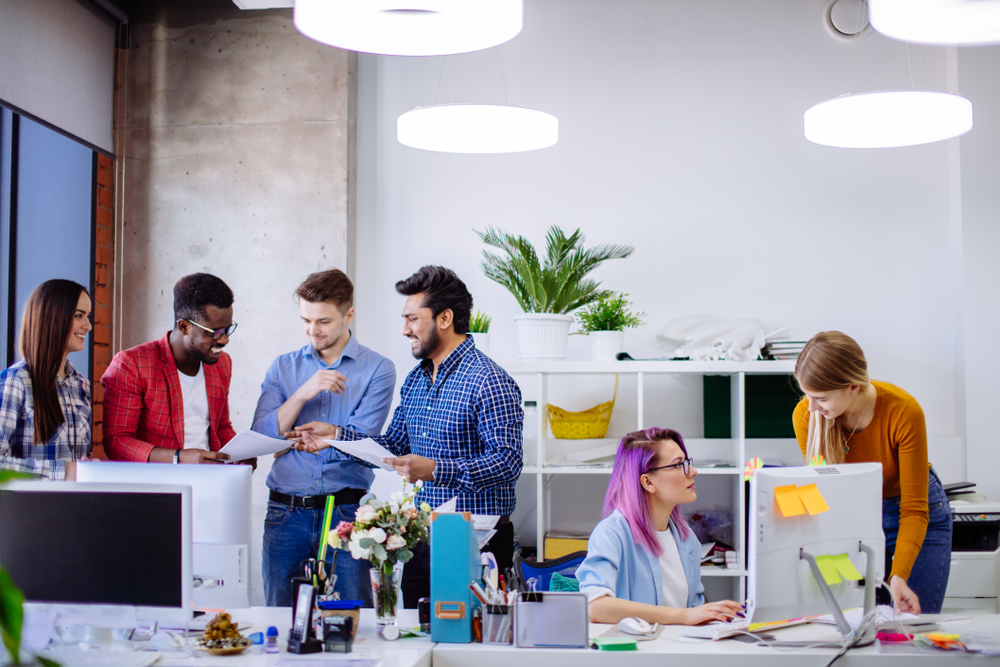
x,y
384,533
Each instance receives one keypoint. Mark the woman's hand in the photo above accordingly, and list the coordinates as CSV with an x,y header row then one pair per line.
x,y
724,611
905,600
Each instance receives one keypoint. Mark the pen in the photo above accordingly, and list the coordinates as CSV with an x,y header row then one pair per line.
x,y
473,587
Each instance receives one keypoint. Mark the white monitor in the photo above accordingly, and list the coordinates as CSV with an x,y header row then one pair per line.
x,y
221,514
70,544
782,585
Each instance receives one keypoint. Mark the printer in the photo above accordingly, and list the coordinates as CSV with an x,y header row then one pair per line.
x,y
976,522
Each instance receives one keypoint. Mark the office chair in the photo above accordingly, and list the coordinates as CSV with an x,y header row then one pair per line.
x,y
542,572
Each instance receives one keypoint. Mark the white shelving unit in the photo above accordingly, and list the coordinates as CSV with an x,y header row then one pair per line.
x,y
735,448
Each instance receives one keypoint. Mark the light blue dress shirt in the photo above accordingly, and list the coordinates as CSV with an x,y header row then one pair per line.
x,y
615,564
363,405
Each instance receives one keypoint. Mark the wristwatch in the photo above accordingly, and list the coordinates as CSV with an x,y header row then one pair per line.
x,y
177,456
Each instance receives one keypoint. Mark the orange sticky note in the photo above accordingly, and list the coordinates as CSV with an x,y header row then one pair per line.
x,y
788,501
812,499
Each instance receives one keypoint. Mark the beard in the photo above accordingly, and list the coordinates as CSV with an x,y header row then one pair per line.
x,y
202,357
427,345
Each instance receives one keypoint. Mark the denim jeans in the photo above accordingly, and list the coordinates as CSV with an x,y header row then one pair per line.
x,y
291,536
929,576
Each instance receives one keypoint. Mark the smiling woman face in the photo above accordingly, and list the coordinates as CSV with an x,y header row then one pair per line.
x,y
831,404
81,325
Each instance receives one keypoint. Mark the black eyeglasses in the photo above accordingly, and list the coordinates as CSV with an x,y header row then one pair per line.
x,y
687,465
216,333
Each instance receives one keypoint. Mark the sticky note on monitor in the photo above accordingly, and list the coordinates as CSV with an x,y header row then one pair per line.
x,y
845,567
828,568
789,502
812,499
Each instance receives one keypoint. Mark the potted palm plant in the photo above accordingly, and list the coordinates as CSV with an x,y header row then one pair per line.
x,y
479,329
546,288
604,321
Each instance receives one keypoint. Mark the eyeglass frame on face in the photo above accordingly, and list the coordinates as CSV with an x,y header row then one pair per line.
x,y
216,333
686,466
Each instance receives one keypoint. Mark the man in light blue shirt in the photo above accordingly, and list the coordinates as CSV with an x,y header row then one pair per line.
x,y
335,380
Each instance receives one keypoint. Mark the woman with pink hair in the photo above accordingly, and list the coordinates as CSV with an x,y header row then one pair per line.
x,y
643,560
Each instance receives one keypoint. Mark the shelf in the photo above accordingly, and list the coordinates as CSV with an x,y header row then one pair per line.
x,y
713,571
783,367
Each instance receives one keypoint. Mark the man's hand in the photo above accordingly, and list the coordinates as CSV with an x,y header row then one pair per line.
x,y
906,600
201,456
248,462
412,467
312,436
331,381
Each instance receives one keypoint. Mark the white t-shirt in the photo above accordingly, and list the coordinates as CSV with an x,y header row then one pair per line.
x,y
195,409
675,587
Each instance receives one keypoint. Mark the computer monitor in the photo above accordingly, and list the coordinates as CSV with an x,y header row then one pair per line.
x,y
65,543
221,521
782,583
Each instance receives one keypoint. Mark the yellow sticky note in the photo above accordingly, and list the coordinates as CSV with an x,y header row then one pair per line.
x,y
812,499
846,567
788,501
828,568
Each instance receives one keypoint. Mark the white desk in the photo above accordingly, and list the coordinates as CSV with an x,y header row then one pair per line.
x,y
673,650
408,652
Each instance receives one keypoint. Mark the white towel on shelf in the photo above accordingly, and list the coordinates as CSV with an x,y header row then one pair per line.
x,y
710,338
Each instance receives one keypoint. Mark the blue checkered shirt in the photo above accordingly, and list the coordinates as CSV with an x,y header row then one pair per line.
x,y
72,440
469,422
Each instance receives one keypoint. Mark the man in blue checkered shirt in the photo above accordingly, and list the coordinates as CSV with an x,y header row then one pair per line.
x,y
458,424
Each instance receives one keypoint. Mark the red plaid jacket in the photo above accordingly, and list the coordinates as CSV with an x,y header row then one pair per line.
x,y
144,407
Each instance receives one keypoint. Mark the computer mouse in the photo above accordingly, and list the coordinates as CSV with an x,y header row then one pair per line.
x,y
166,641
636,626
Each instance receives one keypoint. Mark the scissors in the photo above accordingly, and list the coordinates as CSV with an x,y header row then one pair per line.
x,y
312,570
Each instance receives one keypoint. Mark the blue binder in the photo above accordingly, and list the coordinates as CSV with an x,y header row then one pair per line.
x,y
454,565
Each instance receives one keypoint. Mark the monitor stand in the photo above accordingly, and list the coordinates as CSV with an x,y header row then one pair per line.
x,y
843,626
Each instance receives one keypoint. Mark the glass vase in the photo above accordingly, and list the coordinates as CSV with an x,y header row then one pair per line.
x,y
385,593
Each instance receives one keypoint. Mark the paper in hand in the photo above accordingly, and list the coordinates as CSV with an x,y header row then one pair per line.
x,y
366,450
248,444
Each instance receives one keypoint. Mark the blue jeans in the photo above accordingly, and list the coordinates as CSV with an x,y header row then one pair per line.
x,y
291,536
929,576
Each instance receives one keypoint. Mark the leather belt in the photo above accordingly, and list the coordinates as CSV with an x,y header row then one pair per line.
x,y
342,497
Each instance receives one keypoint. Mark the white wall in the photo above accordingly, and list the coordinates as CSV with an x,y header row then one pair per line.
x,y
978,80
236,163
681,134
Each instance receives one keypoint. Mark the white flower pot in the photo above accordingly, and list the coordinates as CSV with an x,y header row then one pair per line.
x,y
542,336
605,345
482,341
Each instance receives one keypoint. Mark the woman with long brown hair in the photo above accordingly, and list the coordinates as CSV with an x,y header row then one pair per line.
x,y
847,418
45,409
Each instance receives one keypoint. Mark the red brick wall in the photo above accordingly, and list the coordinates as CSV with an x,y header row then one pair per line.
x,y
102,291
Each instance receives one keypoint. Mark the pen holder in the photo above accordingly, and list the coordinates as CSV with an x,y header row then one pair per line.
x,y
498,626
345,608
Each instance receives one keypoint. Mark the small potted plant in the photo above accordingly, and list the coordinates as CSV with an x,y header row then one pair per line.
x,y
549,288
605,321
479,329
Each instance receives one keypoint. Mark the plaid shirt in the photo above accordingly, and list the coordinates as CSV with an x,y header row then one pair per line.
x,y
469,422
71,441
144,407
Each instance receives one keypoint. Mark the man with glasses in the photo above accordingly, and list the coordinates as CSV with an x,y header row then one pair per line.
x,y
167,401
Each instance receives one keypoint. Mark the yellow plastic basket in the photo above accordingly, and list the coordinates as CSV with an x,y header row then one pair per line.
x,y
592,423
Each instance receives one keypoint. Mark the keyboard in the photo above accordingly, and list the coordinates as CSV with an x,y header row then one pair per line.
x,y
738,626
69,656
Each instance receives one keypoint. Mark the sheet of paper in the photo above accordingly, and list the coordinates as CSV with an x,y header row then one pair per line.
x,y
886,615
97,615
248,444
706,549
788,501
37,627
331,661
448,506
846,568
366,450
829,569
812,499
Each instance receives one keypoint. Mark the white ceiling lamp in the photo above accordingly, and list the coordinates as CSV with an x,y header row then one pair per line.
x,y
938,22
410,27
477,128
888,119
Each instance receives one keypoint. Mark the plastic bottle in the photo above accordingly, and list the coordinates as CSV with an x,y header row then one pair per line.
x,y
271,641
529,439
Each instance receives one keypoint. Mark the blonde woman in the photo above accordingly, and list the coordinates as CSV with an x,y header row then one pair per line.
x,y
847,418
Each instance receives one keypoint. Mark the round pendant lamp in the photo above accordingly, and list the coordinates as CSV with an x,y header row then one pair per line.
x,y
477,128
937,22
410,27
888,119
